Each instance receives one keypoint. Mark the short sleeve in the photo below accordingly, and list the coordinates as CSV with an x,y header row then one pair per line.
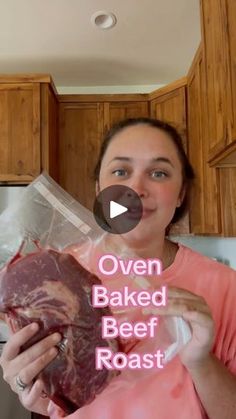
x,y
225,346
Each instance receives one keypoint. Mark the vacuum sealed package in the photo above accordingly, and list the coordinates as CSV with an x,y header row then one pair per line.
x,y
49,251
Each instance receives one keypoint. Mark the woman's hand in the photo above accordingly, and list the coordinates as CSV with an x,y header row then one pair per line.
x,y
24,367
2,317
196,312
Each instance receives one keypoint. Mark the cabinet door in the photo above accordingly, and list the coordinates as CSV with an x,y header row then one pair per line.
x,y
116,111
19,132
81,129
171,108
227,187
216,49
231,31
49,131
204,205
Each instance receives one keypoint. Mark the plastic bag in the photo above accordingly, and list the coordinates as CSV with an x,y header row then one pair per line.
x,y
47,223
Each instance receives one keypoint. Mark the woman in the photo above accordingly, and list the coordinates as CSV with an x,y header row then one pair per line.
x,y
147,156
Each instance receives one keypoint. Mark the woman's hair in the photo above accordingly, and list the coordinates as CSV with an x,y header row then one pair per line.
x,y
187,170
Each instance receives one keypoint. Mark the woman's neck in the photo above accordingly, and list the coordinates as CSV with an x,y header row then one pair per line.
x,y
148,250
160,248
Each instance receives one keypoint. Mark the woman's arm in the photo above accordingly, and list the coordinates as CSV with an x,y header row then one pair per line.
x,y
215,385
216,388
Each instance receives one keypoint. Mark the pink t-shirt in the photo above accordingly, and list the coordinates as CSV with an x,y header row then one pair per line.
x,y
170,393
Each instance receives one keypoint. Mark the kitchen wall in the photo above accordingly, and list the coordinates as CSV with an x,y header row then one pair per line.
x,y
100,90
217,247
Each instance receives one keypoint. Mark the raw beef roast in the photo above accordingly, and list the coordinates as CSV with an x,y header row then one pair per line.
x,y
54,290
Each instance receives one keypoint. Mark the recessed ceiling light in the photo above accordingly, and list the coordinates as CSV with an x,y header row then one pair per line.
x,y
103,20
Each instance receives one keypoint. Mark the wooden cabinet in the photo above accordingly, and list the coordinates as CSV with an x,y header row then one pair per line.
x,y
219,47
81,130
116,111
204,204
169,104
213,200
227,194
28,133
82,126
49,131
19,131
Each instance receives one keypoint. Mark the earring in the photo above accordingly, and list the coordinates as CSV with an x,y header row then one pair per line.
x,y
178,204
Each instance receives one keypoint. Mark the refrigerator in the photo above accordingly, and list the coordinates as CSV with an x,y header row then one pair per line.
x,y
10,406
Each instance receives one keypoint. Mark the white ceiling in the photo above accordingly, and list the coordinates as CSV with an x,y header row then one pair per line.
x,y
153,42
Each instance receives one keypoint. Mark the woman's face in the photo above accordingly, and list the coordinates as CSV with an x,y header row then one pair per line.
x,y
145,159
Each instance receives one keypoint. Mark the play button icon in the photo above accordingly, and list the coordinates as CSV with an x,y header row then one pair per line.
x,y
118,209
